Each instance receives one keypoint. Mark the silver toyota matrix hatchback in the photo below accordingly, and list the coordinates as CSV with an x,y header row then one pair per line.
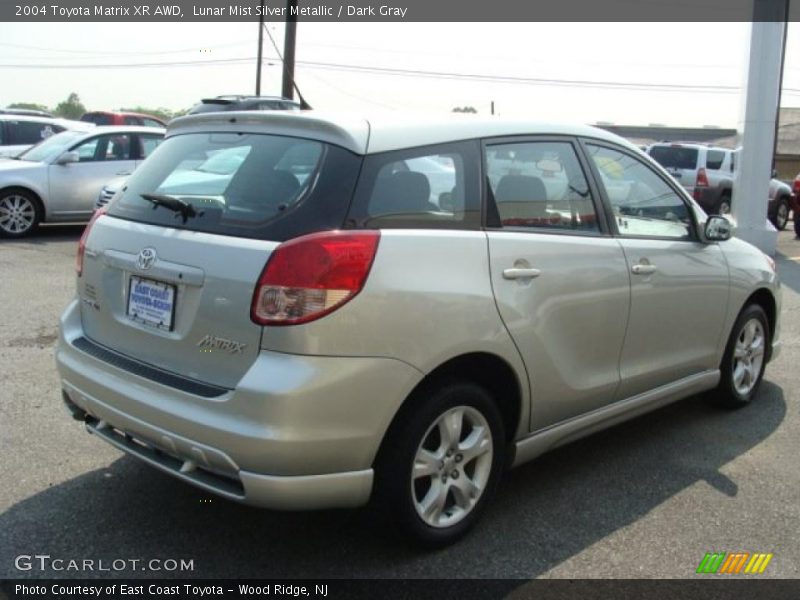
x,y
302,312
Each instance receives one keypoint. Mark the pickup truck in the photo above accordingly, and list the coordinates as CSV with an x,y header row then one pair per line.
x,y
706,172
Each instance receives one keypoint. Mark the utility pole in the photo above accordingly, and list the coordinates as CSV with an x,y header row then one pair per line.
x,y
289,42
260,48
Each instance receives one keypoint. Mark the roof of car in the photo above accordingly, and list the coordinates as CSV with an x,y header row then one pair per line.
x,y
380,133
123,129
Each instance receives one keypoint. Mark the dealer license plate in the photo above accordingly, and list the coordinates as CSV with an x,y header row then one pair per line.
x,y
151,303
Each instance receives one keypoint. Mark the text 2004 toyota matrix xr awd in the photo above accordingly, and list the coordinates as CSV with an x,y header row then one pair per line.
x,y
398,310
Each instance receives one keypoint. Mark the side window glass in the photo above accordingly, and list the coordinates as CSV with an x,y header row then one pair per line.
x,y
151,123
132,120
29,132
643,204
87,150
540,185
118,148
424,187
714,159
148,143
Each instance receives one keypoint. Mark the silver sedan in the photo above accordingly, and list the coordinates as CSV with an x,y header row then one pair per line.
x,y
59,179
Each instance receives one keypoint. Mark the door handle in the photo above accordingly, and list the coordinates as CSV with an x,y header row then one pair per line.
x,y
519,273
643,269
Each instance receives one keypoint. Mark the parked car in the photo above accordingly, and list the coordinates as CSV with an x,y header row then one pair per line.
x,y
237,102
18,132
707,173
317,342
59,178
101,117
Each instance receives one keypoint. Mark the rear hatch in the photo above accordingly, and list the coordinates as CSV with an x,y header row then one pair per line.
x,y
168,274
680,161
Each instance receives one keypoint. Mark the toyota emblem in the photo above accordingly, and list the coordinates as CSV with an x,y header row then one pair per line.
x,y
146,259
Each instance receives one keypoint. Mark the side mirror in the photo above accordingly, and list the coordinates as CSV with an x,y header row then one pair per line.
x,y
68,157
718,229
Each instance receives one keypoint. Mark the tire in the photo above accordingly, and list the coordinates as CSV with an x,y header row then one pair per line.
x,y
432,491
781,216
796,222
20,213
743,363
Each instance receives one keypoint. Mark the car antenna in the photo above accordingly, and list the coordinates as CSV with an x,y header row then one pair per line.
x,y
303,104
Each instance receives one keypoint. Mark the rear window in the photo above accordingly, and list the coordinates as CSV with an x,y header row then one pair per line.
x,y
246,185
675,157
97,119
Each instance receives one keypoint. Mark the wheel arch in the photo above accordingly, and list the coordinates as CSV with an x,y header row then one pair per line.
x,y
490,371
35,196
764,298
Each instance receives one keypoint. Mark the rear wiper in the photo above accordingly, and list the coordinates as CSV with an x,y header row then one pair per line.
x,y
185,209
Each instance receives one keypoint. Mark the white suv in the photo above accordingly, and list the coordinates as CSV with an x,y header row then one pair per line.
x,y
309,324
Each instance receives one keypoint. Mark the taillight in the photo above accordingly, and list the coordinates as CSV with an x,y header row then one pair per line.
x,y
311,276
797,187
82,244
700,182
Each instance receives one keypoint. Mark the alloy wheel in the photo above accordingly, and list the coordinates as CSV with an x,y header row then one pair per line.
x,y
17,214
452,466
748,356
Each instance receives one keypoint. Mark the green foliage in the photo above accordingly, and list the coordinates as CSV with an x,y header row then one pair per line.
x,y
165,114
71,108
29,106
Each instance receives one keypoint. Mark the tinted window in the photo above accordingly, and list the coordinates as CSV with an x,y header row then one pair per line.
x,y
643,204
129,120
152,123
714,159
424,187
541,185
97,118
675,157
247,185
30,132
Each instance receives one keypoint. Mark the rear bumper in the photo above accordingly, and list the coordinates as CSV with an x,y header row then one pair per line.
x,y
298,432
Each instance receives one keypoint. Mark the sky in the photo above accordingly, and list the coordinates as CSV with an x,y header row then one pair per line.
x,y
571,72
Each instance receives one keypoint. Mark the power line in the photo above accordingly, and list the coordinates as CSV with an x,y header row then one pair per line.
x,y
622,85
89,53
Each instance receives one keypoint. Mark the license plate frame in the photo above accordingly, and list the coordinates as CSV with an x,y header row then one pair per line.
x,y
153,314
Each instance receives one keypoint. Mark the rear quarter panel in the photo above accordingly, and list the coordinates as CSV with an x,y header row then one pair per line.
x,y
428,299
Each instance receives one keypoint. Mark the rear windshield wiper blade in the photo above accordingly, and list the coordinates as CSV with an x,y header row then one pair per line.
x,y
185,209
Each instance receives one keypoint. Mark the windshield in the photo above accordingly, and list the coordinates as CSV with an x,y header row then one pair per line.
x,y
675,157
241,184
49,149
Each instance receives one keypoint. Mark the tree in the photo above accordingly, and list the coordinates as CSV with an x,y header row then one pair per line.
x,y
29,106
165,114
465,109
71,108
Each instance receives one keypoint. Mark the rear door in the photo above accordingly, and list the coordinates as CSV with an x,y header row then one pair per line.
x,y
560,281
175,293
679,285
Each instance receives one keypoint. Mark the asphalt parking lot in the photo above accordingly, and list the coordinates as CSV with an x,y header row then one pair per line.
x,y
645,499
